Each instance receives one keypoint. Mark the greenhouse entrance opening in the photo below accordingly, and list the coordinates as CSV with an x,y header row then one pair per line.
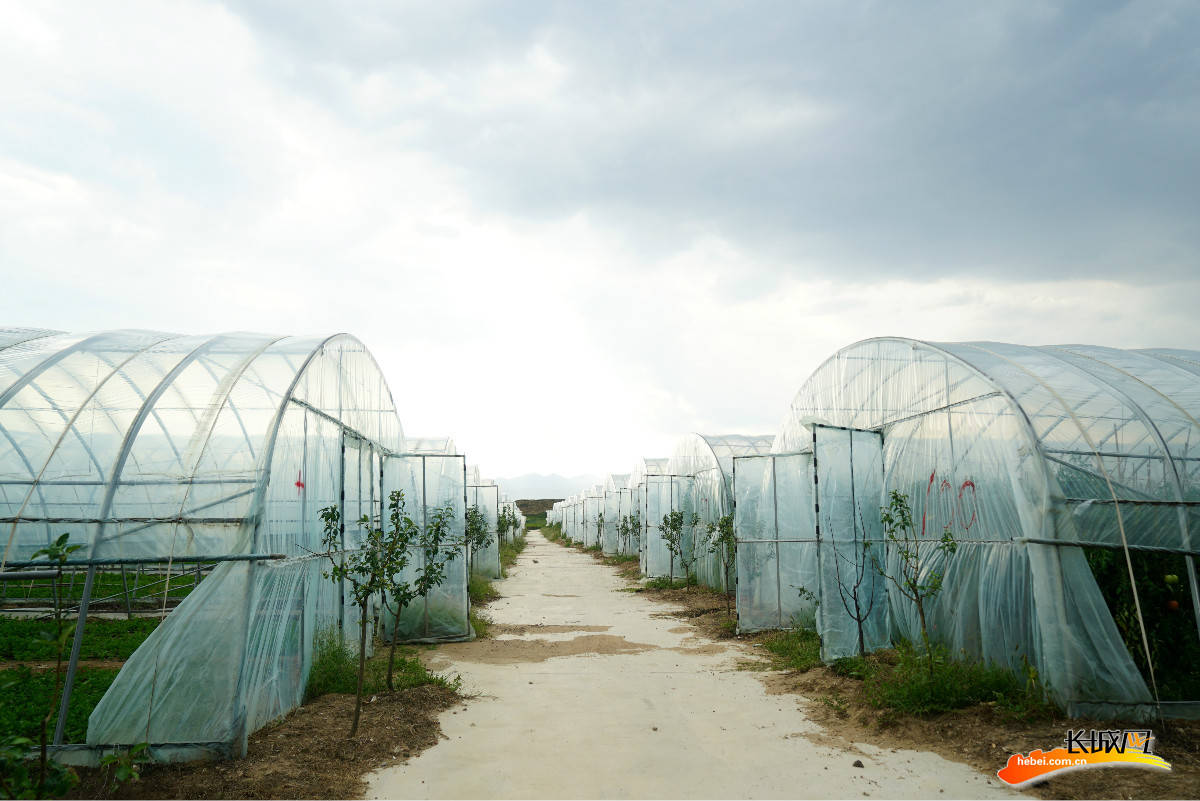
x,y
806,524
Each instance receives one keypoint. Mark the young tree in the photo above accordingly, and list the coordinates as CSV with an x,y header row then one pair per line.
x,y
505,522
625,529
912,577
850,592
376,568
673,524
477,535
52,776
600,530
431,572
722,541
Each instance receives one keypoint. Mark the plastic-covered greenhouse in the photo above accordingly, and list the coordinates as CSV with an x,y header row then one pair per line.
x,y
179,450
435,478
708,460
484,493
616,504
1069,476
517,529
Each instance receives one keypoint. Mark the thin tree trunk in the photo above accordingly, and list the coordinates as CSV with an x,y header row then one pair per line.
x,y
925,636
728,596
362,666
392,649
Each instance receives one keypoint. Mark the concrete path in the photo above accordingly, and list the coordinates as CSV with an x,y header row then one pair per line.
x,y
586,693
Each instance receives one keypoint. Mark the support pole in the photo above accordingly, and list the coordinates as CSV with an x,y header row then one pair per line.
x,y
76,645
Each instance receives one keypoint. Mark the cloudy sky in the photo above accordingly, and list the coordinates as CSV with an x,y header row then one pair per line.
x,y
572,232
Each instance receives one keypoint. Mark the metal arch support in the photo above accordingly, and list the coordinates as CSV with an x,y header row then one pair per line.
x,y
225,393
1154,430
68,428
1116,508
34,335
56,357
254,516
106,506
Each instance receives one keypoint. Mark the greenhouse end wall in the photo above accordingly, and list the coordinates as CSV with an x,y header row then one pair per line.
x,y
164,447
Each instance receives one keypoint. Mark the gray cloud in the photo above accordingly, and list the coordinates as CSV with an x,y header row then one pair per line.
x,y
1043,140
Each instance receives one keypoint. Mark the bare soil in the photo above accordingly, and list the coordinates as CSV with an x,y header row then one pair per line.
x,y
540,628
507,652
981,736
305,755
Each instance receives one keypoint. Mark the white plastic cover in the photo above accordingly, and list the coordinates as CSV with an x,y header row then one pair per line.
x,y
155,445
1025,454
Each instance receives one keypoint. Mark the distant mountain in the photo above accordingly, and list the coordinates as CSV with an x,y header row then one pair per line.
x,y
536,485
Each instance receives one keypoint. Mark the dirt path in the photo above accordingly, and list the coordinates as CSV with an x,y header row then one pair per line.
x,y
585,694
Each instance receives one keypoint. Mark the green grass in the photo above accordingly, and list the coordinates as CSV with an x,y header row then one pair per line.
x,y
664,583
335,669
907,686
553,532
480,589
623,558
480,622
26,696
597,548
798,649
852,667
535,520
24,639
509,552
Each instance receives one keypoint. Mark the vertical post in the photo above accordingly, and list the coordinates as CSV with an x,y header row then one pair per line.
x,y
76,645
424,531
778,544
342,529
125,592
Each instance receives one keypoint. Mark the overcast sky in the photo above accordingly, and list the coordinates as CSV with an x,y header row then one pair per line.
x,y
573,232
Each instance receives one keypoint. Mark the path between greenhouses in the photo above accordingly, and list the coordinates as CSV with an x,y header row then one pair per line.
x,y
589,692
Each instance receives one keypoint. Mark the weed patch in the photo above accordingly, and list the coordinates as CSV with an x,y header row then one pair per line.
x,y
910,688
335,669
481,590
664,583
480,622
509,551
798,649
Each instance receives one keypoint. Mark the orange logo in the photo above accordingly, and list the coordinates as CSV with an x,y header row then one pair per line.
x,y
1084,749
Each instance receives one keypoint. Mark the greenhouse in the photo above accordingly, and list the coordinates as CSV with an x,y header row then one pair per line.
x,y
515,520
433,477
593,512
708,460
149,447
665,493
1066,475
643,467
484,494
616,493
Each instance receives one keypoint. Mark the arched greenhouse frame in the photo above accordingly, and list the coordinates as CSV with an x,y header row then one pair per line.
x,y
1068,475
